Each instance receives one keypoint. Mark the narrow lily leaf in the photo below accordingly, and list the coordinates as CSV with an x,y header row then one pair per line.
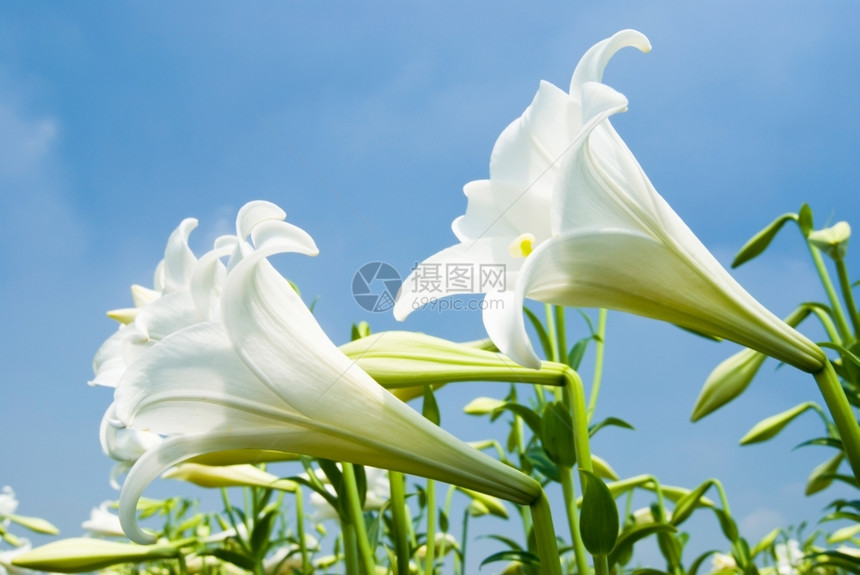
x,y
609,421
531,418
542,463
825,441
523,557
81,554
727,524
697,562
843,534
34,524
540,330
765,542
649,571
630,536
598,517
759,242
823,474
769,427
687,504
577,352
556,426
430,409
846,353
602,468
804,219
838,559
233,557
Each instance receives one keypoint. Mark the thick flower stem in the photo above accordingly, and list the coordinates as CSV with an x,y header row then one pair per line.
x,y
547,547
300,522
350,548
599,349
357,516
838,313
569,492
401,521
845,284
430,558
843,415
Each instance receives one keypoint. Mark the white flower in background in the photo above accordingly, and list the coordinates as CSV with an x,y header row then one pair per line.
x,y
722,562
574,221
233,359
378,492
788,557
6,558
103,523
8,502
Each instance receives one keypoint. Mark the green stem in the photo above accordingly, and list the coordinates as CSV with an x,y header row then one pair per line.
x,y
401,521
431,527
544,532
601,565
848,295
350,548
574,398
569,491
838,313
560,333
463,542
843,415
600,346
551,333
300,522
357,516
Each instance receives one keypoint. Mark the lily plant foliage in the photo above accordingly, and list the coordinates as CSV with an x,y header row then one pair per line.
x,y
224,355
575,221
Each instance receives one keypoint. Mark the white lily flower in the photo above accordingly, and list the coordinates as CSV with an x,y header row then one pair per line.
x,y
103,523
7,557
256,371
8,501
575,221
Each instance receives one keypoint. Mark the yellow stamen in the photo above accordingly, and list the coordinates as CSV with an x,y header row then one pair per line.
x,y
522,245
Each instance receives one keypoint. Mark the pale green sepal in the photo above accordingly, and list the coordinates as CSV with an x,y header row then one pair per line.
x,y
34,524
759,242
82,554
483,405
771,426
731,377
822,476
491,505
765,542
844,534
602,469
398,359
728,380
833,240
229,476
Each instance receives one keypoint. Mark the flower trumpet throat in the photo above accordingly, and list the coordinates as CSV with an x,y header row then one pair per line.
x,y
573,220
228,357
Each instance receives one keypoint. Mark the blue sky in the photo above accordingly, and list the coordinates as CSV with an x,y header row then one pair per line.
x,y
117,120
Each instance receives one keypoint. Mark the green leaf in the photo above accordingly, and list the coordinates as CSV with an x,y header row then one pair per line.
x,y
804,220
825,441
443,521
238,559
261,532
542,463
843,351
360,330
430,409
630,536
832,558
765,542
556,428
759,242
531,418
523,557
649,571
598,516
769,427
541,332
687,504
577,352
727,524
609,421
697,562
823,474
